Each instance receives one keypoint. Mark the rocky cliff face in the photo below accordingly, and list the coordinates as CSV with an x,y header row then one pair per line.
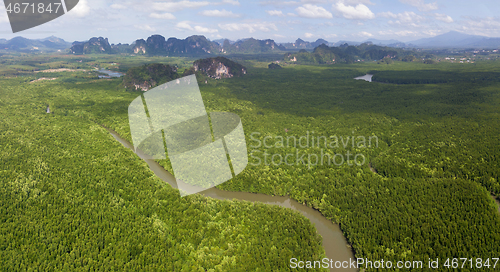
x,y
252,46
139,46
193,45
93,46
157,45
219,67
145,77
301,44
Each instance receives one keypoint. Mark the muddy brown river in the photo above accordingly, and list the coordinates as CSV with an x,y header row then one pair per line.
x,y
334,242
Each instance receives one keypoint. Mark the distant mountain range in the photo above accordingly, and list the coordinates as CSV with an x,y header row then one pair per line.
x,y
301,44
200,45
344,53
157,45
252,46
27,45
452,39
456,39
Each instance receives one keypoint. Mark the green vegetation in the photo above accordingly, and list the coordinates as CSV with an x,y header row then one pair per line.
x,y
252,46
409,58
73,198
345,54
157,45
148,76
93,46
437,159
436,76
386,61
85,201
274,66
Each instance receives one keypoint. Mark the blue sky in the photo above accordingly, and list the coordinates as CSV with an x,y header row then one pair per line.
x,y
354,20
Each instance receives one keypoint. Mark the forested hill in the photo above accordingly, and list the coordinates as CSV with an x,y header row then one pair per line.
x,y
252,46
199,45
98,45
158,45
345,53
30,45
301,44
147,76
92,46
219,67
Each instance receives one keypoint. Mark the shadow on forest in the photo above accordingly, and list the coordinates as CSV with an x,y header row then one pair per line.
x,y
315,92
434,77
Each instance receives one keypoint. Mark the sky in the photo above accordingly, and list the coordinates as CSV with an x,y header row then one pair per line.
x,y
125,21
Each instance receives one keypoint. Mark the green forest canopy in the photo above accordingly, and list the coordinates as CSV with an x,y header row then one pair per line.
x,y
437,163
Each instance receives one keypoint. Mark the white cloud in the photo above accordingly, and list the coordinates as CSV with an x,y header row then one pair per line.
x,y
365,34
266,27
3,15
82,9
219,13
275,12
176,6
431,32
356,2
301,2
443,17
118,6
309,35
145,27
165,15
231,2
185,25
313,11
486,26
279,3
398,33
421,5
407,18
360,11
201,29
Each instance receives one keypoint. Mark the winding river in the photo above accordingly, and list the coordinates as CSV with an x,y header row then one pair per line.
x,y
335,244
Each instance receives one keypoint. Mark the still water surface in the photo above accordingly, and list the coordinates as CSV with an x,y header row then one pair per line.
x,y
366,77
109,74
335,244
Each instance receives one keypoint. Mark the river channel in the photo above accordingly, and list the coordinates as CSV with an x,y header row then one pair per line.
x,y
334,243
